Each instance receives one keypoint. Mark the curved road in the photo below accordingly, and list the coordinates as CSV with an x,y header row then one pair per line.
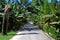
x,y
31,32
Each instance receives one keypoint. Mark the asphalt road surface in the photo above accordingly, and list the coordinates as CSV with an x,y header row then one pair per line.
x,y
31,32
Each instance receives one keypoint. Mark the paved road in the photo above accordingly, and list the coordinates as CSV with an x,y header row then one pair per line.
x,y
31,32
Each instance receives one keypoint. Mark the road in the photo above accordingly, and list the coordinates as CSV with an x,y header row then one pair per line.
x,y
31,32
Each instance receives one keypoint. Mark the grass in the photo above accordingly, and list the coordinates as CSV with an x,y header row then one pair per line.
x,y
8,36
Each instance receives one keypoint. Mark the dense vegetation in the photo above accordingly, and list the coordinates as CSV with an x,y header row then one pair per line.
x,y
43,14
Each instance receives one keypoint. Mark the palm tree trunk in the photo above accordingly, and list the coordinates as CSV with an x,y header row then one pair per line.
x,y
5,21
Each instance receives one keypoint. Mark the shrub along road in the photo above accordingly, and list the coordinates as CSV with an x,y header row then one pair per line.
x,y
31,32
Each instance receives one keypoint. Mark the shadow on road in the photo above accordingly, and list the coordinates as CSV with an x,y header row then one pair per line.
x,y
29,27
27,33
24,34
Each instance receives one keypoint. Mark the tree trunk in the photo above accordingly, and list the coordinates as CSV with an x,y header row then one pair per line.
x,y
5,21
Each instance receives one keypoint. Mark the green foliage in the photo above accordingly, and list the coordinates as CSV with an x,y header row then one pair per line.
x,y
8,36
53,32
45,11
